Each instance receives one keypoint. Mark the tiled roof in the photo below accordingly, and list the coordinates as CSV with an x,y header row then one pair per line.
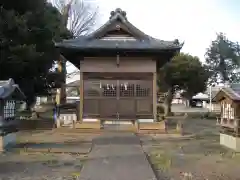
x,y
74,84
232,91
8,87
234,95
142,42
82,43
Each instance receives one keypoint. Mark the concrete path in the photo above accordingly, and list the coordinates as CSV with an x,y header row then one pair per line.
x,y
117,156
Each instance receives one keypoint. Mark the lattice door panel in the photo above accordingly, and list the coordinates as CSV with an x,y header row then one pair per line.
x,y
118,99
91,108
126,103
126,108
92,88
108,108
144,108
126,89
108,102
109,88
144,102
143,88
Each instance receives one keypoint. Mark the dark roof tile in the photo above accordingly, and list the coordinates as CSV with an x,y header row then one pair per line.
x,y
83,43
233,92
8,87
142,42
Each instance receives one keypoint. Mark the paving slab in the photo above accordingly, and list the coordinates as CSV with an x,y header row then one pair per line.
x,y
66,147
117,156
54,142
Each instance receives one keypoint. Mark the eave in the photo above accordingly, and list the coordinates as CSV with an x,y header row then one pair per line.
x,y
76,55
226,92
96,44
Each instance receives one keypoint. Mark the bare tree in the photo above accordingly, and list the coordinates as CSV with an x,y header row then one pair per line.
x,y
78,15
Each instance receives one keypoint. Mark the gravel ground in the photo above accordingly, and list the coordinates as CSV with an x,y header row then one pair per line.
x,y
38,166
198,157
20,164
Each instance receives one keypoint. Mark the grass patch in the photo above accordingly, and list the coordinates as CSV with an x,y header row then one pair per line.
x,y
52,163
200,154
75,175
160,160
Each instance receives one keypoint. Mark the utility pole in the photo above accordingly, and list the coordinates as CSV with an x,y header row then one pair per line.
x,y
210,97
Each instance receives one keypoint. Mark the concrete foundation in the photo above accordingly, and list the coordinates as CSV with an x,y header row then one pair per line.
x,y
145,120
230,141
7,140
90,120
151,126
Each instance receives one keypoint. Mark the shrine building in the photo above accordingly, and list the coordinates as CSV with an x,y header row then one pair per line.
x,y
118,70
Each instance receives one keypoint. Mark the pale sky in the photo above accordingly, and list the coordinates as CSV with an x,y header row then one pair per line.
x,y
195,22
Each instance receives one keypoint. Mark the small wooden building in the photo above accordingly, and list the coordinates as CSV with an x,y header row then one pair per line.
x,y
118,69
229,99
10,95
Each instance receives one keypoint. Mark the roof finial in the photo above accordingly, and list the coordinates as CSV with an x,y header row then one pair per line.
x,y
176,42
118,11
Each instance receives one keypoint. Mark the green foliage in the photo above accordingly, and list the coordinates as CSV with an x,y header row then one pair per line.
x,y
223,60
183,72
160,109
22,6
160,113
27,35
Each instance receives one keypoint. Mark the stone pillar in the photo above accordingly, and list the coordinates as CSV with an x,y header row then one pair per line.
x,y
81,98
155,96
58,124
58,97
179,127
58,93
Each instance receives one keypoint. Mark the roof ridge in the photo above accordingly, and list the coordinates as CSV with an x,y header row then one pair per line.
x,y
232,91
142,40
114,15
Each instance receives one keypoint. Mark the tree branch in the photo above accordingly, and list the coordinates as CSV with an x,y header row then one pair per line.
x,y
80,15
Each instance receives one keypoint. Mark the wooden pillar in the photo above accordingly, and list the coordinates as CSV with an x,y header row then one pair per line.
x,y
81,98
58,93
155,96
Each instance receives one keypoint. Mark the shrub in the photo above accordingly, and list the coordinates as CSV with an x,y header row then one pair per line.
x,y
160,113
160,109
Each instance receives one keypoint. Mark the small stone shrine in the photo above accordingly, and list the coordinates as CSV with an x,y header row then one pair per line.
x,y
10,95
229,99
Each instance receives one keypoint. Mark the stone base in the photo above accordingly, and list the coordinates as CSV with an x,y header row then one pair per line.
x,y
151,125
145,120
88,125
117,122
230,141
7,140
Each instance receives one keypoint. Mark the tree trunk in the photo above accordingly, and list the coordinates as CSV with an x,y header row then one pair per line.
x,y
30,103
168,102
63,86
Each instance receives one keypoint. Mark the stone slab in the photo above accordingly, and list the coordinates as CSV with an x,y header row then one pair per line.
x,y
75,148
230,142
117,156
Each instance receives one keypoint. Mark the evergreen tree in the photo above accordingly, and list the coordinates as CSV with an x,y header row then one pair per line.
x,y
222,60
